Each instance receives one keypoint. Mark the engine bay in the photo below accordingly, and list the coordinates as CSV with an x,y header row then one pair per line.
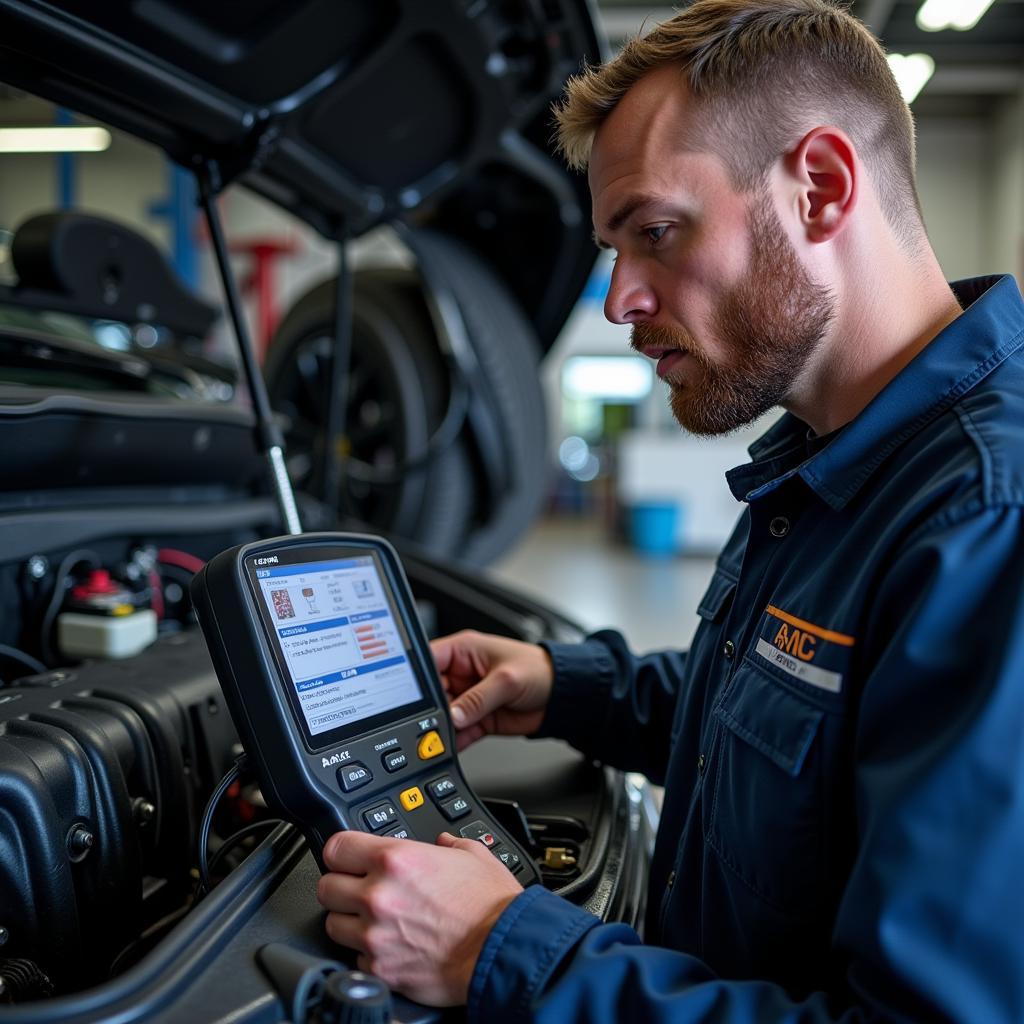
x,y
106,767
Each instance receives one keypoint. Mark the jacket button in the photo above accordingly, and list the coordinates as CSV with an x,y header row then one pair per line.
x,y
670,880
700,764
779,526
728,648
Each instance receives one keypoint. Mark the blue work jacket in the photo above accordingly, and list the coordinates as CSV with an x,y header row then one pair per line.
x,y
842,747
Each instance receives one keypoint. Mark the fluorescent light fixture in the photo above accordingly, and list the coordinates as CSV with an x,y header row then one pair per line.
x,y
57,139
935,15
607,378
912,71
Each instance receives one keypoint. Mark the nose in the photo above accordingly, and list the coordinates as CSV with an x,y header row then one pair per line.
x,y
630,298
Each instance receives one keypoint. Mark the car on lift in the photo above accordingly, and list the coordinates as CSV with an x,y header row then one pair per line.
x,y
408,401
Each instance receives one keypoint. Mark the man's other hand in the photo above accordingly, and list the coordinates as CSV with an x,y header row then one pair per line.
x,y
495,685
418,915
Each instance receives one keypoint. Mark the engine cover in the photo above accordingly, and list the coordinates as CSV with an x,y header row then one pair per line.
x,y
104,770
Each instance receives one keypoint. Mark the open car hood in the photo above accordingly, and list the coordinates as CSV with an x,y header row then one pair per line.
x,y
348,113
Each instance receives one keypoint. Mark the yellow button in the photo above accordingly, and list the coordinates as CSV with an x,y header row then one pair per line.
x,y
411,798
430,746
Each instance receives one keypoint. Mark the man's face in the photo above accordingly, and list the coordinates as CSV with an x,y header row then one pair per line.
x,y
707,277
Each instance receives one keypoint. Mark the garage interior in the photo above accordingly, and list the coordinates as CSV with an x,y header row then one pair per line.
x,y
519,447
606,453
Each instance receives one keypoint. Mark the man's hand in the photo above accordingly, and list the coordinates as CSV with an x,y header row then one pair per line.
x,y
418,915
496,685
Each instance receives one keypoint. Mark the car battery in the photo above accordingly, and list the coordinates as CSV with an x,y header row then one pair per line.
x,y
102,619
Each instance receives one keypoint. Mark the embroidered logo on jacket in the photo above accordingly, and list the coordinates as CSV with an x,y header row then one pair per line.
x,y
794,645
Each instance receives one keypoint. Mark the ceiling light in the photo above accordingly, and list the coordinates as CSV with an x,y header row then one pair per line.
x,y
935,15
912,71
59,139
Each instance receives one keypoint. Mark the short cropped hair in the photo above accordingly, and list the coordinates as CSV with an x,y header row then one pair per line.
x,y
763,73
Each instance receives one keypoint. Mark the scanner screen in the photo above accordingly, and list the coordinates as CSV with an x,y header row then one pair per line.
x,y
343,648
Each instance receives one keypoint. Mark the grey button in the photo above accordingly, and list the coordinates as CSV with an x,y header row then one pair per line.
x,y
455,808
441,788
382,816
395,761
779,526
670,881
480,832
700,764
728,648
354,775
509,858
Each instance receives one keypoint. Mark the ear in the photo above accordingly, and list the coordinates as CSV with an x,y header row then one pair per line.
x,y
827,173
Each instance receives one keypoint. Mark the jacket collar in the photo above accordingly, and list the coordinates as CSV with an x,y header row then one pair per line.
x,y
990,328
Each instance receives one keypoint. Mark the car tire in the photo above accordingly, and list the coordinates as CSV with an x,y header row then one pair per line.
x,y
394,393
506,347
445,505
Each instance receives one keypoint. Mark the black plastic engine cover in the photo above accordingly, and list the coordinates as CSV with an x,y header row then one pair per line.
x,y
125,752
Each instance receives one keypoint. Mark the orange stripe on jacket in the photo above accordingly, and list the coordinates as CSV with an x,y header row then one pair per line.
x,y
809,627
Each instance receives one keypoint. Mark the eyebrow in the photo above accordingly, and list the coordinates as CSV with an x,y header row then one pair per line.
x,y
622,214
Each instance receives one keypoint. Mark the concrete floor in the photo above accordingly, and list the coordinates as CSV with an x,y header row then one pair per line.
x,y
573,565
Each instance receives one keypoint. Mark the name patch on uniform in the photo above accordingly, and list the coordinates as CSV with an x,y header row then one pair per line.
x,y
802,649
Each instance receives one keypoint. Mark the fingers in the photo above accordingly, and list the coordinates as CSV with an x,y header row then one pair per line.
x,y
454,658
493,684
490,694
458,843
420,914
346,930
342,894
467,737
461,655
443,651
353,852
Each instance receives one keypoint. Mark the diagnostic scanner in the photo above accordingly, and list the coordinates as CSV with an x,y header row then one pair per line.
x,y
333,690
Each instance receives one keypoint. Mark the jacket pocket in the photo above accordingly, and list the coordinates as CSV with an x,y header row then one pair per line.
x,y
766,820
715,602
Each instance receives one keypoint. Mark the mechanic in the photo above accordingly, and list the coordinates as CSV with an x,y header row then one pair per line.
x,y
843,746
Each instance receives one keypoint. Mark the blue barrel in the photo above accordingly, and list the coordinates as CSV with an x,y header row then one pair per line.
x,y
653,526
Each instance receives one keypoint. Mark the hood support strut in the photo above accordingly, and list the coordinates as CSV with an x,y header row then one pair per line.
x,y
268,434
336,405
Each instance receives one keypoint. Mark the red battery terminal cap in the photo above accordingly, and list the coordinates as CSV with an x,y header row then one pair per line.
x,y
97,582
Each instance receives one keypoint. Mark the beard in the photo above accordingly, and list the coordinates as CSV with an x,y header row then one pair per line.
x,y
769,324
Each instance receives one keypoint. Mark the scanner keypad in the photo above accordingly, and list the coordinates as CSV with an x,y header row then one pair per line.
x,y
404,756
